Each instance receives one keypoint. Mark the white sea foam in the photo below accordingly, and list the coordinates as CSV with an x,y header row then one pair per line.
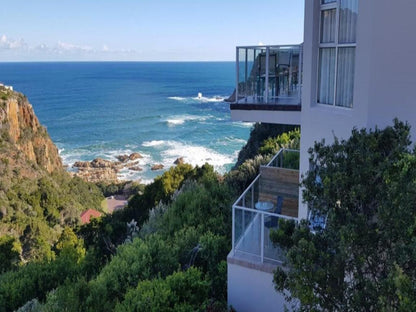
x,y
124,174
181,119
228,140
175,122
176,98
194,155
154,143
243,124
202,99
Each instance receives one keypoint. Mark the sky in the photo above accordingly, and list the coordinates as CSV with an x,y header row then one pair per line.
x,y
143,30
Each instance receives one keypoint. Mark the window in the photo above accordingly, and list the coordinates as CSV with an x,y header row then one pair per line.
x,y
338,22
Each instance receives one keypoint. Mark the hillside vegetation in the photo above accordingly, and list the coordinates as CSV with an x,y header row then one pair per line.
x,y
37,197
165,252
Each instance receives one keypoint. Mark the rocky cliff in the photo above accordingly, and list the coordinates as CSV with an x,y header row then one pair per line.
x,y
38,198
24,142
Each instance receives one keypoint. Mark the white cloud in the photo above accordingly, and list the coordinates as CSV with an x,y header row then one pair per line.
x,y
16,50
10,44
64,46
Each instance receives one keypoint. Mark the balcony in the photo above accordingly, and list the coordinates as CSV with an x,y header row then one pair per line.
x,y
269,79
273,195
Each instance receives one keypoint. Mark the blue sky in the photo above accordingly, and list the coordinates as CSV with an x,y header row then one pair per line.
x,y
143,30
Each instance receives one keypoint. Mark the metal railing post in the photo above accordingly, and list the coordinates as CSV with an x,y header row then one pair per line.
x,y
300,73
237,70
266,96
252,196
233,231
262,238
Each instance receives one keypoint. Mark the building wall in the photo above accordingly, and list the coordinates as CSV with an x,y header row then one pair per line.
x,y
251,290
387,50
384,75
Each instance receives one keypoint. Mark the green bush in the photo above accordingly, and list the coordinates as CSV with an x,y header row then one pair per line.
x,y
181,291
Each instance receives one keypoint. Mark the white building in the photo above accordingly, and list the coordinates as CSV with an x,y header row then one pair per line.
x,y
355,68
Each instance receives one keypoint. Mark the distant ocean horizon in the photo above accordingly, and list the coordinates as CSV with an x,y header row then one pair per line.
x,y
106,109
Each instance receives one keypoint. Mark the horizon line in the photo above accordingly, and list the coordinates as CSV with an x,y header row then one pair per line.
x,y
120,61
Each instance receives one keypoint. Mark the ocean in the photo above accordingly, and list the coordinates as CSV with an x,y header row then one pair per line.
x,y
106,109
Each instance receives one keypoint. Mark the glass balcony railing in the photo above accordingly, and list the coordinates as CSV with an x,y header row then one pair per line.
x,y
273,195
269,75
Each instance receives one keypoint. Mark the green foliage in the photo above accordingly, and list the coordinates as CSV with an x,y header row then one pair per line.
x,y
134,262
161,189
365,258
259,133
38,210
241,177
69,297
70,247
181,291
289,139
10,250
35,279
203,206
178,262
126,188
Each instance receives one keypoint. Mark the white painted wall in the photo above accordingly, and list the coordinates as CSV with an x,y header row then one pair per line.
x,y
387,51
252,290
385,74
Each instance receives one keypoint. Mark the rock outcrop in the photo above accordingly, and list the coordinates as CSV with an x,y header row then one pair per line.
x,y
134,156
179,161
157,167
135,168
24,141
98,170
123,158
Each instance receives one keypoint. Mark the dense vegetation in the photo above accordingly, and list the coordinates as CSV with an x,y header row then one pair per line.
x,y
365,257
259,133
165,252
34,212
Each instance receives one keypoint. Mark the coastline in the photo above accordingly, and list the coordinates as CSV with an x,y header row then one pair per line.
x,y
121,108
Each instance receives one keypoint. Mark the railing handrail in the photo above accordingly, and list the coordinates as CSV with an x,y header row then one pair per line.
x,y
258,176
240,203
246,190
279,152
272,214
300,45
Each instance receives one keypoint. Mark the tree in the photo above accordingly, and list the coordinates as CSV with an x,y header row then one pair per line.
x,y
181,291
365,257
10,250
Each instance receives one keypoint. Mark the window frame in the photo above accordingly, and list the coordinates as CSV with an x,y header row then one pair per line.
x,y
335,45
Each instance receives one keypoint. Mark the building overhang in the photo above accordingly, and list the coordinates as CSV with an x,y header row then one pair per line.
x,y
266,113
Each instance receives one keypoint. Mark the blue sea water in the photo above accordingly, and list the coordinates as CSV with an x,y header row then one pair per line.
x,y
104,109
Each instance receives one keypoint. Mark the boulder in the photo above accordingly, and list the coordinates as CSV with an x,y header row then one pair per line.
x,y
102,163
134,156
157,167
97,174
135,168
179,161
123,158
81,164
